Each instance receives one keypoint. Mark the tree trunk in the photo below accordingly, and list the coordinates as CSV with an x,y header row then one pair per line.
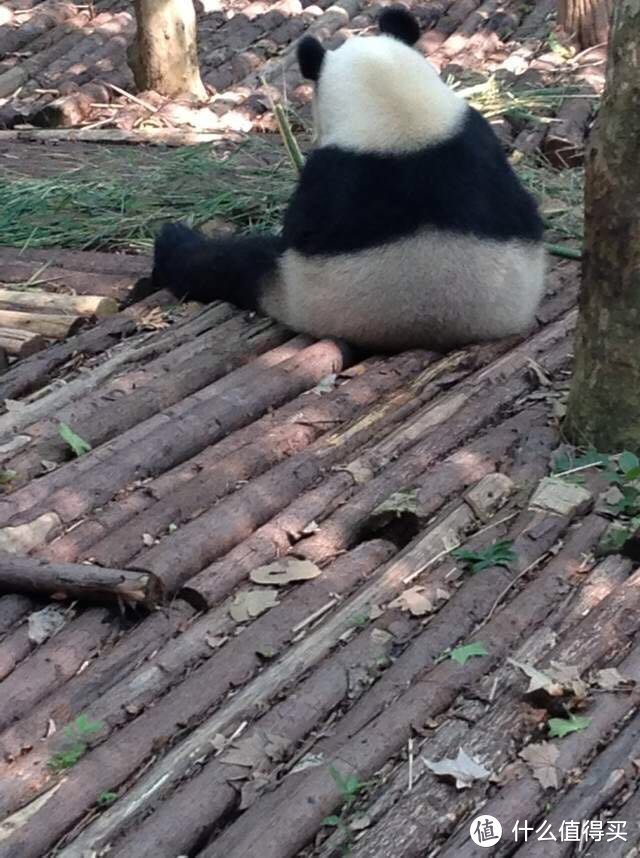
x,y
586,20
164,56
604,402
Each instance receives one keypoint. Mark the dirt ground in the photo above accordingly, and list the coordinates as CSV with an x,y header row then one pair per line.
x,y
298,605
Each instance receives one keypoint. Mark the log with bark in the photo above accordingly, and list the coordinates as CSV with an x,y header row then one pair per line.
x,y
20,343
72,305
89,582
53,326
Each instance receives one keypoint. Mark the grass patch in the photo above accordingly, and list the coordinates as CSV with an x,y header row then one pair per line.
x,y
121,200
118,199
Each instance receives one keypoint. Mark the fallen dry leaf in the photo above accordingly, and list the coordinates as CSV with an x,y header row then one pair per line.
x,y
611,680
45,623
539,680
542,759
285,571
463,769
414,601
252,603
399,503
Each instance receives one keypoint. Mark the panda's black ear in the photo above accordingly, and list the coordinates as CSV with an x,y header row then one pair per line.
x,y
399,22
310,57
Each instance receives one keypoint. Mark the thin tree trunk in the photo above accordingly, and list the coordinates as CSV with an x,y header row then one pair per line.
x,y
604,403
164,56
586,20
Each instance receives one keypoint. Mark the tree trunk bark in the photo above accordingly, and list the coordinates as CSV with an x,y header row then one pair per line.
x,y
164,56
587,20
604,402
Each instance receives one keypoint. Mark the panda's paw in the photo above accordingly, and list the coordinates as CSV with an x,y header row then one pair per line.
x,y
173,245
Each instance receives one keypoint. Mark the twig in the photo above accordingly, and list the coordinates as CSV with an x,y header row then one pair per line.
x,y
563,251
131,97
447,551
410,752
284,127
509,586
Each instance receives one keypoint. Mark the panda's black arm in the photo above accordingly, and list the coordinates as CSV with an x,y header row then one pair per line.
x,y
229,268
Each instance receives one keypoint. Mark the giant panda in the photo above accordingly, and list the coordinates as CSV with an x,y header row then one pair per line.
x,y
407,229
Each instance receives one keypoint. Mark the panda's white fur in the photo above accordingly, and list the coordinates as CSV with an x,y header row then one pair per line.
x,y
408,227
481,290
380,95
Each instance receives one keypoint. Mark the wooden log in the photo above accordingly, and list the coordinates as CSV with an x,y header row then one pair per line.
x,y
12,609
20,343
78,581
292,719
36,370
313,417
113,670
161,443
68,111
116,136
464,414
137,739
500,724
55,661
565,140
91,261
53,326
78,305
147,390
81,282
587,644
365,752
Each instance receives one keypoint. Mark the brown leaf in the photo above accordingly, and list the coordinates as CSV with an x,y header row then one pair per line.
x,y
611,680
252,603
285,571
542,760
463,769
414,601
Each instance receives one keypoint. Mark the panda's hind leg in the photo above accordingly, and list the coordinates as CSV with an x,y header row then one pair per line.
x,y
229,268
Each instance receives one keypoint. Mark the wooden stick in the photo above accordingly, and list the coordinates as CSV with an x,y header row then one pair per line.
x,y
20,343
78,581
52,326
76,305
159,136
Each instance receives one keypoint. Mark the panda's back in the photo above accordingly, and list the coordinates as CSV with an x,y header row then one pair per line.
x,y
435,248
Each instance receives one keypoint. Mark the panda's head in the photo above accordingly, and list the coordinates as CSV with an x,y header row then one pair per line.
x,y
379,94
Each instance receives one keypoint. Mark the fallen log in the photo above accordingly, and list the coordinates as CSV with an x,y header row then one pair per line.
x,y
162,442
466,411
523,790
366,752
36,370
78,581
80,282
51,325
111,763
148,389
564,143
78,305
297,430
89,261
116,136
20,343
55,661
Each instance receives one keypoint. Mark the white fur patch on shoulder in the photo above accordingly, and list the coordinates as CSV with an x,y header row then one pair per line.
x,y
379,95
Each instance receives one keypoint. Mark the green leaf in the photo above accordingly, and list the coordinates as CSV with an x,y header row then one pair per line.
x,y
565,462
106,798
353,785
462,654
498,554
77,444
6,476
559,727
628,462
331,820
339,779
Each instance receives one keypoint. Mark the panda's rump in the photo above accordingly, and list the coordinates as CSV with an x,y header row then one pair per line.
x,y
432,290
